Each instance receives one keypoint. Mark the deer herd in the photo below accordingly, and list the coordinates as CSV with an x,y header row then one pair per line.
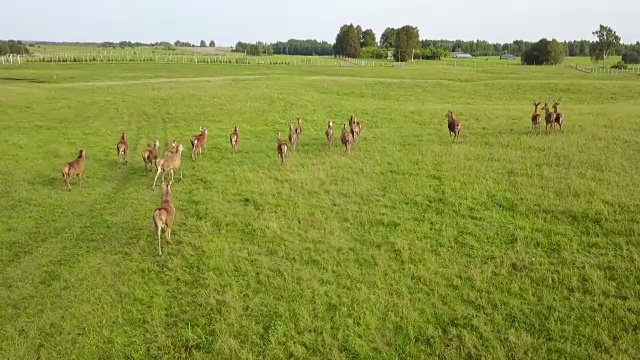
x,y
170,162
551,118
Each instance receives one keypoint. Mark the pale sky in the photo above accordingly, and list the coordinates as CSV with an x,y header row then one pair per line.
x,y
228,21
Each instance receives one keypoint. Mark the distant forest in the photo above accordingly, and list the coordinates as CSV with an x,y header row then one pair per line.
x,y
353,41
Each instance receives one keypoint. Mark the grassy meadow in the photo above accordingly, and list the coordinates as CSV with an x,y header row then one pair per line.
x,y
504,245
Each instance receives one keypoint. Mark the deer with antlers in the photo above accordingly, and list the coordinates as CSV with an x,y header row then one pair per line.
x,y
454,125
549,117
536,119
559,117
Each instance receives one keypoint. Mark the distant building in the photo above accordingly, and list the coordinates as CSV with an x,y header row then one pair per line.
x,y
389,54
457,55
507,57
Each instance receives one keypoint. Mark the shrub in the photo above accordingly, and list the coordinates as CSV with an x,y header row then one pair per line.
x,y
619,65
631,57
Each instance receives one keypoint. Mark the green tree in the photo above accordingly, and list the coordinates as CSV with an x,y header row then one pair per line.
x,y
255,50
4,48
340,45
594,52
544,52
556,51
607,42
203,43
631,57
368,39
212,43
388,38
359,34
407,43
352,42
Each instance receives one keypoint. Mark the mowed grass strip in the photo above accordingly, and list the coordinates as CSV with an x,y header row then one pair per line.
x,y
507,244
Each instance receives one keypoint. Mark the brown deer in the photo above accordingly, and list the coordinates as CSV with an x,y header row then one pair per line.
x,y
559,118
536,119
74,168
122,148
282,148
299,128
352,119
173,148
346,138
355,130
198,142
169,163
233,139
164,215
454,125
329,133
549,117
293,138
149,156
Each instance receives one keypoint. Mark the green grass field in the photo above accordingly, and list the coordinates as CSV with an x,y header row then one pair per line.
x,y
504,245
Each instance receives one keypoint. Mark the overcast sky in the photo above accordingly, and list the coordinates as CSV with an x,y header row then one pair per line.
x,y
227,21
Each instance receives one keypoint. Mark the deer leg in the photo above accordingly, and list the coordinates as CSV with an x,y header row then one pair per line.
x,y
167,233
158,232
156,178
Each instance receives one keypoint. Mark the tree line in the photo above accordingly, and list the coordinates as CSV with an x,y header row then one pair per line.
x,y
404,44
15,47
290,47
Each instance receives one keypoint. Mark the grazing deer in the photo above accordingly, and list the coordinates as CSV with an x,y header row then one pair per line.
x,y
549,117
164,215
122,148
282,148
536,119
454,125
346,138
74,168
559,118
293,138
173,148
198,142
233,139
169,163
329,133
150,155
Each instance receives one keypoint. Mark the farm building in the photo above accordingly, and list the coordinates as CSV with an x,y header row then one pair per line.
x,y
507,57
456,55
